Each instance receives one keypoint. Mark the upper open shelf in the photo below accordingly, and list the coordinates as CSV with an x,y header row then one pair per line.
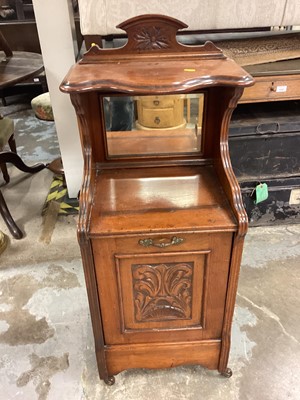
x,y
143,64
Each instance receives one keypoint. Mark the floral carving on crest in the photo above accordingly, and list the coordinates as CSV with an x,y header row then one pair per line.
x,y
151,38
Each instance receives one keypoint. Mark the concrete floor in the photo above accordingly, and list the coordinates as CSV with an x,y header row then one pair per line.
x,y
46,343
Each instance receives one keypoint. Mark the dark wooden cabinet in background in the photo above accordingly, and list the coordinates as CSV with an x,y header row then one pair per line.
x,y
162,222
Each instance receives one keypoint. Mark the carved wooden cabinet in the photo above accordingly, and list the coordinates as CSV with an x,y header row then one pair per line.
x,y
162,223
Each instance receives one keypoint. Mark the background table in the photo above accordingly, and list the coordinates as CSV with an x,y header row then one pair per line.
x,y
16,67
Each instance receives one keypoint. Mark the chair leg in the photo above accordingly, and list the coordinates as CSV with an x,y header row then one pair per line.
x,y
12,157
8,219
13,147
12,143
4,172
15,159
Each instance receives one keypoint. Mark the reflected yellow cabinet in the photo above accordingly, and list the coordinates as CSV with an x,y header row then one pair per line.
x,y
162,222
134,116
156,112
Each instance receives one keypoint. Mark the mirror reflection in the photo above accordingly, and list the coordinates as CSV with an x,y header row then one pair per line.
x,y
153,125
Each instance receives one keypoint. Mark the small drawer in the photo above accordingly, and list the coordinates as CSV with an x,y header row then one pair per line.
x,y
163,242
149,243
267,89
157,101
160,118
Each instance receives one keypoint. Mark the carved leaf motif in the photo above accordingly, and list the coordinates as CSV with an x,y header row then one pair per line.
x,y
151,38
162,291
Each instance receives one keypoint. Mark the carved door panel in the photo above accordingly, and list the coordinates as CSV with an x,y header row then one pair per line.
x,y
162,296
162,290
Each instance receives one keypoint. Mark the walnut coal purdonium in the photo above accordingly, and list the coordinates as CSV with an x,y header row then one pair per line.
x,y
162,223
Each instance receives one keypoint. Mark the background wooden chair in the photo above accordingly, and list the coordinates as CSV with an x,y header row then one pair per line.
x,y
6,137
14,68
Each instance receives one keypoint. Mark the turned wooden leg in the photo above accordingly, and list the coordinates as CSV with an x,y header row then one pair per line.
x,y
12,157
15,159
4,172
12,143
12,226
3,242
13,147
56,166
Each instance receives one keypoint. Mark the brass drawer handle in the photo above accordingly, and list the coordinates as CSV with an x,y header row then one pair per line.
x,y
149,242
279,88
156,102
157,120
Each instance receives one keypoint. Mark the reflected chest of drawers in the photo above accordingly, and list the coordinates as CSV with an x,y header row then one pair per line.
x,y
157,112
161,223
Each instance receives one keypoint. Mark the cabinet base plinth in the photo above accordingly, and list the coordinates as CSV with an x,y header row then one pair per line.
x,y
162,355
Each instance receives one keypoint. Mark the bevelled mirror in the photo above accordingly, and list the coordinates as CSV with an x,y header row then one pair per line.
x,y
153,125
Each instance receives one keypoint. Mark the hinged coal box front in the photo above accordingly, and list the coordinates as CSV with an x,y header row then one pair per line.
x,y
264,143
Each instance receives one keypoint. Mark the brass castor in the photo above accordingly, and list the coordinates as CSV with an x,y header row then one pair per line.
x,y
227,373
110,380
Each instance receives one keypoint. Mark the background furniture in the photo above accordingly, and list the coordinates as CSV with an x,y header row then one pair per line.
x,y
208,19
14,67
18,68
162,222
6,137
102,17
42,108
13,158
19,25
3,242
158,113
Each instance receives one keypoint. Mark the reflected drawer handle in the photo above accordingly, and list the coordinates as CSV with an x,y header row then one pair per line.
x,y
149,242
263,129
157,120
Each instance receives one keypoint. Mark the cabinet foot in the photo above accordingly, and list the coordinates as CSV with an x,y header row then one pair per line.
x,y
110,380
227,373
